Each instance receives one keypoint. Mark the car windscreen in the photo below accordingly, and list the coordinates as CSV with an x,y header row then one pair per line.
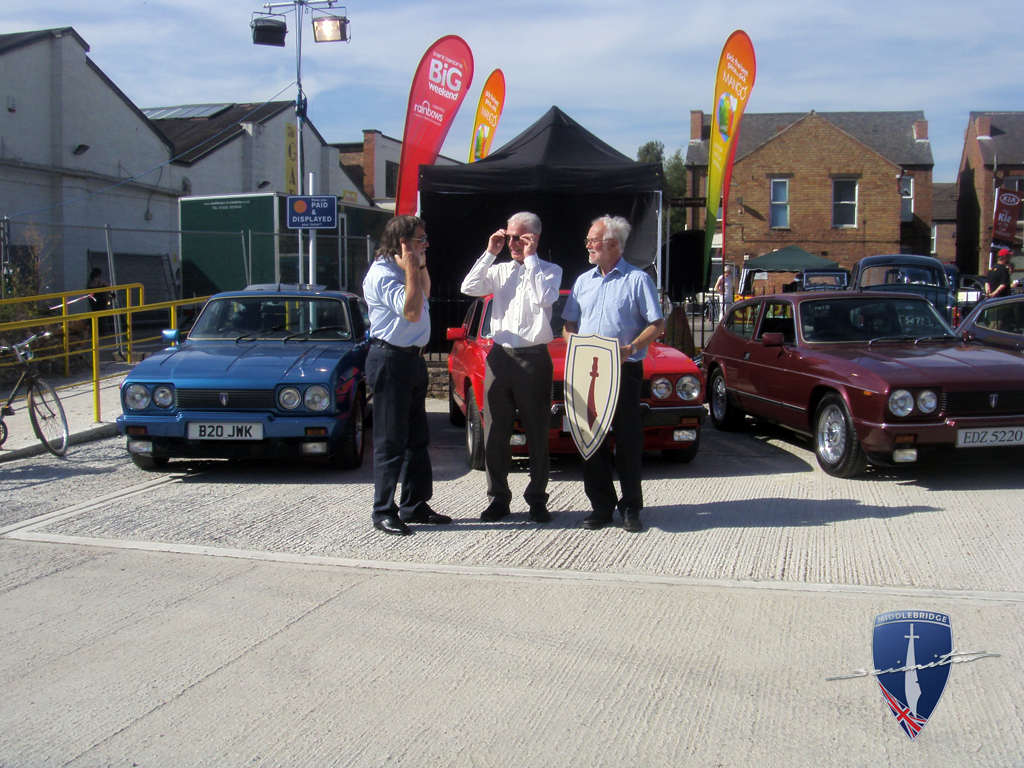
x,y
900,274
557,323
864,318
272,317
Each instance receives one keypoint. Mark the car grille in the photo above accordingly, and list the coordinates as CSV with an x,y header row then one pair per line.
x,y
237,399
979,403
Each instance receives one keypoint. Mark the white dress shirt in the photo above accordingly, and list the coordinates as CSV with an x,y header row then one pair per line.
x,y
523,297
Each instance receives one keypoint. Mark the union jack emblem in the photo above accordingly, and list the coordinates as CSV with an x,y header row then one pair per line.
x,y
912,648
224,399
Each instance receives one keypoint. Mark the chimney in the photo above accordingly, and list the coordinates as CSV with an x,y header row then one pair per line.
x,y
984,123
921,130
696,124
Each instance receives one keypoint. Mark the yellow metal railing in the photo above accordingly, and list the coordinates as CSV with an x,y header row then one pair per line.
x,y
120,340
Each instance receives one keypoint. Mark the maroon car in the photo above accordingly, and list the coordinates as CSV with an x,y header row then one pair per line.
x,y
672,398
997,322
869,377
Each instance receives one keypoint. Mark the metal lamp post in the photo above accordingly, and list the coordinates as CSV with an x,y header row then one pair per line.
x,y
269,28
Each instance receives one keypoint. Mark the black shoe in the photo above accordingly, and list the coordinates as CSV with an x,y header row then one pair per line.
x,y
392,525
427,517
631,522
494,512
540,514
595,521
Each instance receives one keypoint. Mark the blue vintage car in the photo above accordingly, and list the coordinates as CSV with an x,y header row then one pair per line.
x,y
273,371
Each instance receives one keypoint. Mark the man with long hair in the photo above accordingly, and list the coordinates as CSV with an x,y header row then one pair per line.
x,y
396,288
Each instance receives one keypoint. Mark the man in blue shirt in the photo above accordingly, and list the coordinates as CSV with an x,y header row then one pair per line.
x,y
617,300
396,288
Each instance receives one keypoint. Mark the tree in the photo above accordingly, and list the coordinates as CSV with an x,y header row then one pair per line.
x,y
651,152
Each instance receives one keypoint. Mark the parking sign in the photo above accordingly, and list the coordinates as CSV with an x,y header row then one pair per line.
x,y
312,212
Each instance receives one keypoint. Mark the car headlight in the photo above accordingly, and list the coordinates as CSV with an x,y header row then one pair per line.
x,y
317,398
901,402
688,388
661,388
927,401
136,397
163,396
289,398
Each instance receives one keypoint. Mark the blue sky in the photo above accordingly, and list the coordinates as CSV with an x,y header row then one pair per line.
x,y
629,72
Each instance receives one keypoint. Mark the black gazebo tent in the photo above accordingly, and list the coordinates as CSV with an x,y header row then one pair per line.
x,y
556,169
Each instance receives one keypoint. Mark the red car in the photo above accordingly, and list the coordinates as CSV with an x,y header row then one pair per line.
x,y
672,397
869,377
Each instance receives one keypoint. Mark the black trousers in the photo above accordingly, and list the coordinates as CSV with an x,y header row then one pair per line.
x,y
400,432
627,458
517,379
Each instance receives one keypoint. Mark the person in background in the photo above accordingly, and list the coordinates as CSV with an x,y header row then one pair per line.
x,y
396,288
518,372
617,300
725,290
999,275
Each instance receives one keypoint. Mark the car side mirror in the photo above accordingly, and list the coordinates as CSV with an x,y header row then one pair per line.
x,y
171,336
968,336
773,339
456,334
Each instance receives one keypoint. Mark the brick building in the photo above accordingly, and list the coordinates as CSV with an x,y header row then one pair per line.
x,y
944,197
993,157
842,185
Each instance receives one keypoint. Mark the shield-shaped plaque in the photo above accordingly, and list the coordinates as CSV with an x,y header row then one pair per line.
x,y
916,645
593,370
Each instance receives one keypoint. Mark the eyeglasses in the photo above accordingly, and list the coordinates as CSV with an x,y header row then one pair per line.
x,y
421,240
595,240
515,238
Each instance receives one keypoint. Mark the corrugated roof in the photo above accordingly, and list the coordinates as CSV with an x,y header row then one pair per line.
x,y
890,134
210,126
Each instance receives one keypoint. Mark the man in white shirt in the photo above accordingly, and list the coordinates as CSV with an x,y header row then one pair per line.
x,y
519,370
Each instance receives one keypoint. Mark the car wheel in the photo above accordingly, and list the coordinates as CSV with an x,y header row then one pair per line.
x,y
474,433
148,463
350,450
835,440
455,414
682,455
724,415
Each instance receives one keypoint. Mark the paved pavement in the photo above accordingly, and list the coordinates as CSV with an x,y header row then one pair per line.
x,y
224,616
79,402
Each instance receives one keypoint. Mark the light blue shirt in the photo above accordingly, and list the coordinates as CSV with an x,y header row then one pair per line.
x,y
618,305
384,291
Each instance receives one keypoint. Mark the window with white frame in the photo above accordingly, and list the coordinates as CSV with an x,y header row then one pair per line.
x,y
779,207
935,233
906,198
844,202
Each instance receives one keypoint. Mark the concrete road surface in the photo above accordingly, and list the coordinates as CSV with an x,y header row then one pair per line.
x,y
232,614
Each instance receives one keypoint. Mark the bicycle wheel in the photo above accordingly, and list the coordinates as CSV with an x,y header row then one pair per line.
x,y
48,419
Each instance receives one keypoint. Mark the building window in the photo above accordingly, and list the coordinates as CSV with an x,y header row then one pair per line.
x,y
844,202
390,179
906,198
935,233
779,209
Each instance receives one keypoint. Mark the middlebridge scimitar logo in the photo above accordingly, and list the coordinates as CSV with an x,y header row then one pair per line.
x,y
913,653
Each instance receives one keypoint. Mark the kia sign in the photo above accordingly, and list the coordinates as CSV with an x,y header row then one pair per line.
x,y
1004,224
312,212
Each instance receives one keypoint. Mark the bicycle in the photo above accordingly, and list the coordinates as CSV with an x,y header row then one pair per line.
x,y
44,408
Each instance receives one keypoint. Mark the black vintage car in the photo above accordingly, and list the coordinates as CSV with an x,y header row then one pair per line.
x,y
907,273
